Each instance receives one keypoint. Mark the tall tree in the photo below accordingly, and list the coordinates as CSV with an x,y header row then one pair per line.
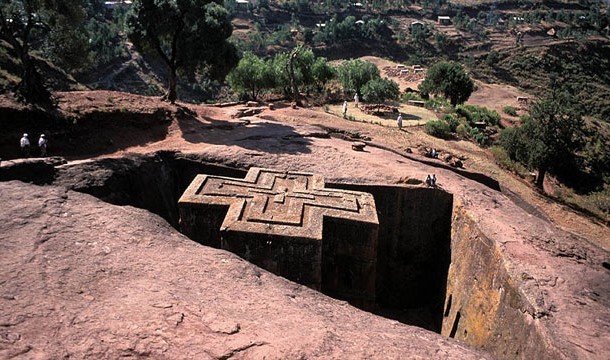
x,y
449,79
24,24
379,90
549,138
252,76
188,35
353,74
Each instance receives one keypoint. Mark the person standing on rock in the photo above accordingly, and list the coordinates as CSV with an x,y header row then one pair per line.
x,y
356,100
25,145
344,109
42,144
399,121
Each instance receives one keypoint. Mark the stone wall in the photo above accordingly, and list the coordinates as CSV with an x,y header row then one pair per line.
x,y
413,252
484,306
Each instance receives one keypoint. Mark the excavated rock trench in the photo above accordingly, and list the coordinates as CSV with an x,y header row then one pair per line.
x,y
435,269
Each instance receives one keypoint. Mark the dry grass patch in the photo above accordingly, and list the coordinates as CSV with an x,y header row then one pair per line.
x,y
412,115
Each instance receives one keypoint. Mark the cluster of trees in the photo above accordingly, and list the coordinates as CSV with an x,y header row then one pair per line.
x,y
254,75
349,29
189,36
300,70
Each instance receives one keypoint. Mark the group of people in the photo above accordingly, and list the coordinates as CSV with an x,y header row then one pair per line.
x,y
431,180
25,145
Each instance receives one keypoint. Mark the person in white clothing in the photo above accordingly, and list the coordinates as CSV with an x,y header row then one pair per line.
x,y
399,121
356,100
345,108
42,144
25,145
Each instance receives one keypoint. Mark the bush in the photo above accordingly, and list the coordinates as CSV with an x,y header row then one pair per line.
x,y
510,110
438,128
437,103
452,121
475,113
462,130
410,96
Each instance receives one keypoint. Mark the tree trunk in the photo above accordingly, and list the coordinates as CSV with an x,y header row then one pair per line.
x,y
540,178
31,86
171,92
293,81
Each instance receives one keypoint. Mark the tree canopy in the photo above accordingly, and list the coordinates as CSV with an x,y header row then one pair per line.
x,y
379,90
449,79
187,35
550,137
353,74
251,76
25,22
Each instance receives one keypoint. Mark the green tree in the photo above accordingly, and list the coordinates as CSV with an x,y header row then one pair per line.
x,y
300,69
353,74
24,23
550,137
379,90
322,73
449,79
188,35
251,76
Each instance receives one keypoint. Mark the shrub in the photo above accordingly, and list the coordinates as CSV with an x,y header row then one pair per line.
x,y
479,137
462,130
478,114
510,110
410,96
452,121
438,128
437,103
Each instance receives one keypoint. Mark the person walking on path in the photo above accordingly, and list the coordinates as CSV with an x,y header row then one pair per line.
x,y
25,145
399,121
356,100
344,109
42,144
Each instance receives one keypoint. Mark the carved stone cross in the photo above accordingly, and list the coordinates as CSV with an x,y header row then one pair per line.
x,y
279,203
289,224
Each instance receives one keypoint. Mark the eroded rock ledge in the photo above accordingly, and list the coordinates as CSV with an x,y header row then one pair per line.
x,y
83,278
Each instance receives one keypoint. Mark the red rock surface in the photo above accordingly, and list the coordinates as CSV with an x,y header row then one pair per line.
x,y
80,278
551,264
